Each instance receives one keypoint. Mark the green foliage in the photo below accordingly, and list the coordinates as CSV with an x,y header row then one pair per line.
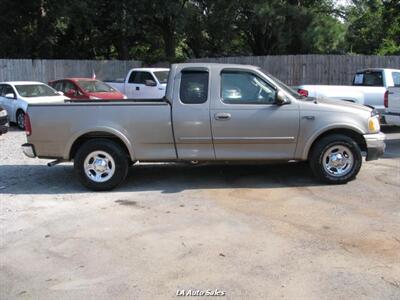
x,y
159,30
374,27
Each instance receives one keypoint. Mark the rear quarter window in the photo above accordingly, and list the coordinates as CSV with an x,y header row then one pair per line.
x,y
368,79
194,87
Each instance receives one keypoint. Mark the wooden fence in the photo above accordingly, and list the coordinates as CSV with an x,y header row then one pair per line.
x,y
45,70
312,69
292,69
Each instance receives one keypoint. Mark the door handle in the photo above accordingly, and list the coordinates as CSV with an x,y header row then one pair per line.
x,y
222,116
137,88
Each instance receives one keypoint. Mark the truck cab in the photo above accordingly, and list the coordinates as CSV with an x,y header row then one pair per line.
x,y
143,83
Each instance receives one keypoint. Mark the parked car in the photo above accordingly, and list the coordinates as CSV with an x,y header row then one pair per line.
x,y
3,121
369,87
86,88
15,96
211,112
143,83
392,104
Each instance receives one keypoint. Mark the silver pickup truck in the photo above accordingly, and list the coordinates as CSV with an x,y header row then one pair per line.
x,y
211,112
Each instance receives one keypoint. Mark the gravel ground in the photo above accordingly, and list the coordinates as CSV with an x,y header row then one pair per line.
x,y
252,231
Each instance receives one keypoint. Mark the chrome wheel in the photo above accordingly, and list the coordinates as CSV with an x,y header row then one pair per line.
x,y
338,160
21,120
99,166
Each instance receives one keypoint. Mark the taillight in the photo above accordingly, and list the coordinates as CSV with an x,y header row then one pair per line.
x,y
28,127
386,99
303,92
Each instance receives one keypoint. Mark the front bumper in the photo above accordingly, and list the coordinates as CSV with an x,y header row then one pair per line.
x,y
29,150
3,125
375,145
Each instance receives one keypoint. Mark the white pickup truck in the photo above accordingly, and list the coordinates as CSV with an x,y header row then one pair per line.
x,y
392,103
143,83
369,87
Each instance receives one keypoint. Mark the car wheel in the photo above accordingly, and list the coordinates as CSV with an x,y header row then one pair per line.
x,y
335,159
21,119
101,164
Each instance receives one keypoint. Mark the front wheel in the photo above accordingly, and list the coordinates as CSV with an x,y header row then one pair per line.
x,y
335,159
21,120
101,164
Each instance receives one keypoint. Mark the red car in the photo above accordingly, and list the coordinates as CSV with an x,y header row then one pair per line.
x,y
86,88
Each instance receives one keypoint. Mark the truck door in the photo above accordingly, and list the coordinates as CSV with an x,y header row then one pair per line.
x,y
140,90
191,114
130,86
246,122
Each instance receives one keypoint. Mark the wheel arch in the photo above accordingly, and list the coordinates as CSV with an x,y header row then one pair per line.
x,y
352,132
103,133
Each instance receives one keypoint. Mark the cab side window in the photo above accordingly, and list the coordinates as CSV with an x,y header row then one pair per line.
x,y
194,87
132,77
245,88
141,77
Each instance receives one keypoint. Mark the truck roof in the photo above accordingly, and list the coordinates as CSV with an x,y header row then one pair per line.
x,y
377,69
216,65
150,69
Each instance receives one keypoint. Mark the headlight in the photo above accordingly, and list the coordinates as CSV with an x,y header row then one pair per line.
x,y
125,97
3,113
373,124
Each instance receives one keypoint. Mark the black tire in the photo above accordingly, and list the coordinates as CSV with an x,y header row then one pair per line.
x,y
319,150
120,163
20,119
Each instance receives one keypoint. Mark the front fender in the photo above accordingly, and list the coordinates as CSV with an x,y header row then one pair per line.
x,y
308,144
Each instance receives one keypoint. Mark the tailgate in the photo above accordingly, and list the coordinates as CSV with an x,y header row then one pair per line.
x,y
394,100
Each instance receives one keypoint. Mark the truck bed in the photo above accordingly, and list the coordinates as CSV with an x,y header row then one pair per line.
x,y
141,124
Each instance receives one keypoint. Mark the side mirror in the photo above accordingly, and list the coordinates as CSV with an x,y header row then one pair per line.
x,y
281,99
10,96
150,83
60,93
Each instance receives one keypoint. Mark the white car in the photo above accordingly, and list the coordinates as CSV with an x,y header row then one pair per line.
x,y
143,83
16,95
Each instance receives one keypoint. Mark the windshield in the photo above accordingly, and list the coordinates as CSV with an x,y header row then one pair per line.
x,y
284,87
35,90
94,86
162,76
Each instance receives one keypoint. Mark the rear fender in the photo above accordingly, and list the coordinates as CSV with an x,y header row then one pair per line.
x,y
117,133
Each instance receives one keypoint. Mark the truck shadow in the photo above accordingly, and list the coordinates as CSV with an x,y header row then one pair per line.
x,y
166,178
171,178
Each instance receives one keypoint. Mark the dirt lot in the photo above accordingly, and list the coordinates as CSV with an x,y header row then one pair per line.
x,y
253,231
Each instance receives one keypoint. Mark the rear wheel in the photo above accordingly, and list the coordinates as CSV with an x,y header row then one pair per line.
x,y
20,119
101,164
335,159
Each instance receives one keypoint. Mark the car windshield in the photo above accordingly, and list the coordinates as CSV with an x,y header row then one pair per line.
x,y
94,86
35,90
285,87
162,76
